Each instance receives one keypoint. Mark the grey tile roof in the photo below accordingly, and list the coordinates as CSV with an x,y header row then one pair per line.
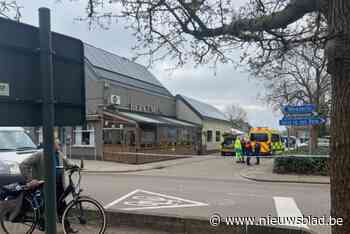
x,y
114,67
203,109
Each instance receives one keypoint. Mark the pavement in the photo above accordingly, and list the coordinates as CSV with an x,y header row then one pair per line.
x,y
261,173
199,189
92,166
203,185
264,173
109,230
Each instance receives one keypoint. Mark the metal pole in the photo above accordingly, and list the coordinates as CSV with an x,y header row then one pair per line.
x,y
288,138
310,143
46,72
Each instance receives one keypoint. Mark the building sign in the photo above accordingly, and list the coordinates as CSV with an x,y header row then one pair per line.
x,y
4,89
150,108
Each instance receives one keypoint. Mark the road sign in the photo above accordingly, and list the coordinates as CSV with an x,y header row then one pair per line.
x,y
21,90
304,109
302,121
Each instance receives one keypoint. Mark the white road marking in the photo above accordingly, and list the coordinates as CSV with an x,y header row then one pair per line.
x,y
286,207
142,199
121,199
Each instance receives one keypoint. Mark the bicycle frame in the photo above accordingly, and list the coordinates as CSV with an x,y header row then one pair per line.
x,y
71,188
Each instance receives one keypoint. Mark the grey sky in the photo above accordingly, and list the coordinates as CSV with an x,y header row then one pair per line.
x,y
227,86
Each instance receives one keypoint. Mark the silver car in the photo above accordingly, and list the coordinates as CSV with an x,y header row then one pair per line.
x,y
15,146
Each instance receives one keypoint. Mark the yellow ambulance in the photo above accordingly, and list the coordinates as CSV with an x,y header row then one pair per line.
x,y
269,139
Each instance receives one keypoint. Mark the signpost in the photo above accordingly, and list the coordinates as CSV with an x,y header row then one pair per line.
x,y
304,109
304,115
48,112
41,83
288,121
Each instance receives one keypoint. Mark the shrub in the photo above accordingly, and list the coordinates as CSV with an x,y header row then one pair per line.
x,y
305,150
301,165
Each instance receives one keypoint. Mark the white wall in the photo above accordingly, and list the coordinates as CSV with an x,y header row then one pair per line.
x,y
214,126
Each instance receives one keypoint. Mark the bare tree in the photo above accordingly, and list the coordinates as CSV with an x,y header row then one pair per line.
x,y
10,10
237,115
300,78
209,30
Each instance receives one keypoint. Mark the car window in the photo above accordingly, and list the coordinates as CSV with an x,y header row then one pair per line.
x,y
275,138
259,137
228,141
15,140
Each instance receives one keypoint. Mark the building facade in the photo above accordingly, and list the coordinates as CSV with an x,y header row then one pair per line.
x,y
128,110
212,121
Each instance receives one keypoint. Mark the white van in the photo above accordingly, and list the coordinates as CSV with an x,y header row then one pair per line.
x,y
15,146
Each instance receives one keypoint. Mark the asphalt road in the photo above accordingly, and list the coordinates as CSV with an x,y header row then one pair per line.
x,y
204,188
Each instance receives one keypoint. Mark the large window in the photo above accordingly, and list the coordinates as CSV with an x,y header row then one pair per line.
x,y
217,136
172,135
148,137
184,136
113,136
209,136
84,136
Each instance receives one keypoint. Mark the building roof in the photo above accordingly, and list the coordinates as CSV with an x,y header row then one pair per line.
x,y
204,110
119,69
155,119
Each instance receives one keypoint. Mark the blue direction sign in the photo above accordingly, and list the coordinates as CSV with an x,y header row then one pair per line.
x,y
302,121
304,109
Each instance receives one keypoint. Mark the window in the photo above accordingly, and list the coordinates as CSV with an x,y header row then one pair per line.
x,y
217,136
275,138
263,137
172,135
228,142
113,136
209,136
184,137
148,137
12,140
84,135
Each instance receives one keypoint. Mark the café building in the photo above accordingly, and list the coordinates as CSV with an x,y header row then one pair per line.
x,y
128,110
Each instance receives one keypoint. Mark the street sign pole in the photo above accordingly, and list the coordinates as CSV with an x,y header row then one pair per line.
x,y
310,146
46,72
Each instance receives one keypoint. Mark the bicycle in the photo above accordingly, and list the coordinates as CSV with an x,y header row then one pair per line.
x,y
75,216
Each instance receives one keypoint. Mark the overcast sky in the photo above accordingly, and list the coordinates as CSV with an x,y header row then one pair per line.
x,y
227,86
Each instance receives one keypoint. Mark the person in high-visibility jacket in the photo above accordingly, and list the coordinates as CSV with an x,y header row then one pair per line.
x,y
238,150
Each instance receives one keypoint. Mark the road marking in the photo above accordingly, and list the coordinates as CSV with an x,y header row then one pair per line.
x,y
142,199
120,199
286,207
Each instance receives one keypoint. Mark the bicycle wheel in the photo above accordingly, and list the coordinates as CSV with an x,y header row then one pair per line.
x,y
84,215
25,222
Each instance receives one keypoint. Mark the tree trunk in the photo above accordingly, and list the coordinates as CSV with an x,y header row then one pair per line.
x,y
340,151
338,52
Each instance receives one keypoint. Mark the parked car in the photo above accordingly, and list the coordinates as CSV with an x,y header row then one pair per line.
x,y
7,177
15,146
322,142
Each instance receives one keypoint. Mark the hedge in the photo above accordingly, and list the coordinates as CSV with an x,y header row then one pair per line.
x,y
301,165
305,150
